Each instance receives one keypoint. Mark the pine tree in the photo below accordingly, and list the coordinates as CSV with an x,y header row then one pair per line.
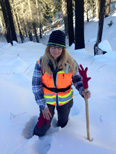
x,y
79,24
7,14
2,25
97,8
107,8
101,20
16,20
65,17
100,26
70,22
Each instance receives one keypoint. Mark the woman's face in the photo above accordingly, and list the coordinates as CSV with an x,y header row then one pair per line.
x,y
55,51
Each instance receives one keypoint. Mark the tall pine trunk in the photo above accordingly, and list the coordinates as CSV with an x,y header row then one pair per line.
x,y
65,17
97,8
79,24
70,22
100,26
10,18
17,21
38,19
20,33
101,20
7,14
107,8
40,26
35,31
7,33
30,26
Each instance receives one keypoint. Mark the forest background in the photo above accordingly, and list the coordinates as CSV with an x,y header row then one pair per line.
x,y
25,20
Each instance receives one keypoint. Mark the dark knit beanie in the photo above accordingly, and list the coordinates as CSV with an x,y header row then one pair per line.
x,y
57,37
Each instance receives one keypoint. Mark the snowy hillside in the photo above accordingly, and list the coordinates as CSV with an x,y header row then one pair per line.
x,y
18,105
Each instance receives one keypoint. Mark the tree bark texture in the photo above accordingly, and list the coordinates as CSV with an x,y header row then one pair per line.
x,y
7,14
70,22
101,20
79,24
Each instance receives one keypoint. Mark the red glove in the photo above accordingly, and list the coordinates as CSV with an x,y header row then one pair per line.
x,y
85,79
41,121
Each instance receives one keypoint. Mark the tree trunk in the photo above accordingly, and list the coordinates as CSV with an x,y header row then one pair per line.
x,y
8,30
79,24
30,27
97,8
87,10
40,26
2,24
7,14
70,22
107,8
17,21
10,18
40,30
101,20
38,18
93,8
100,27
35,32
30,35
20,33
65,17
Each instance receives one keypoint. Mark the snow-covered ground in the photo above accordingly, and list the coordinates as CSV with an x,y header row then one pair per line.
x,y
18,105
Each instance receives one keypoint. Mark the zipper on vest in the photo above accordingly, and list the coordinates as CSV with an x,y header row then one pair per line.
x,y
55,84
56,93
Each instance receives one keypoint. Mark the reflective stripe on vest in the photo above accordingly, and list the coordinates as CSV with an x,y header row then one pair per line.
x,y
63,80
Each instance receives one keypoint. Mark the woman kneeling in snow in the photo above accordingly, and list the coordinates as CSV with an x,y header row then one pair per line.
x,y
53,76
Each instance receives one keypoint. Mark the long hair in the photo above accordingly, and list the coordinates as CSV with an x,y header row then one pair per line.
x,y
65,59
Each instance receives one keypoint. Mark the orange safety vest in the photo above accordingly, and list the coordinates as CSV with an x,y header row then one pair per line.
x,y
63,80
